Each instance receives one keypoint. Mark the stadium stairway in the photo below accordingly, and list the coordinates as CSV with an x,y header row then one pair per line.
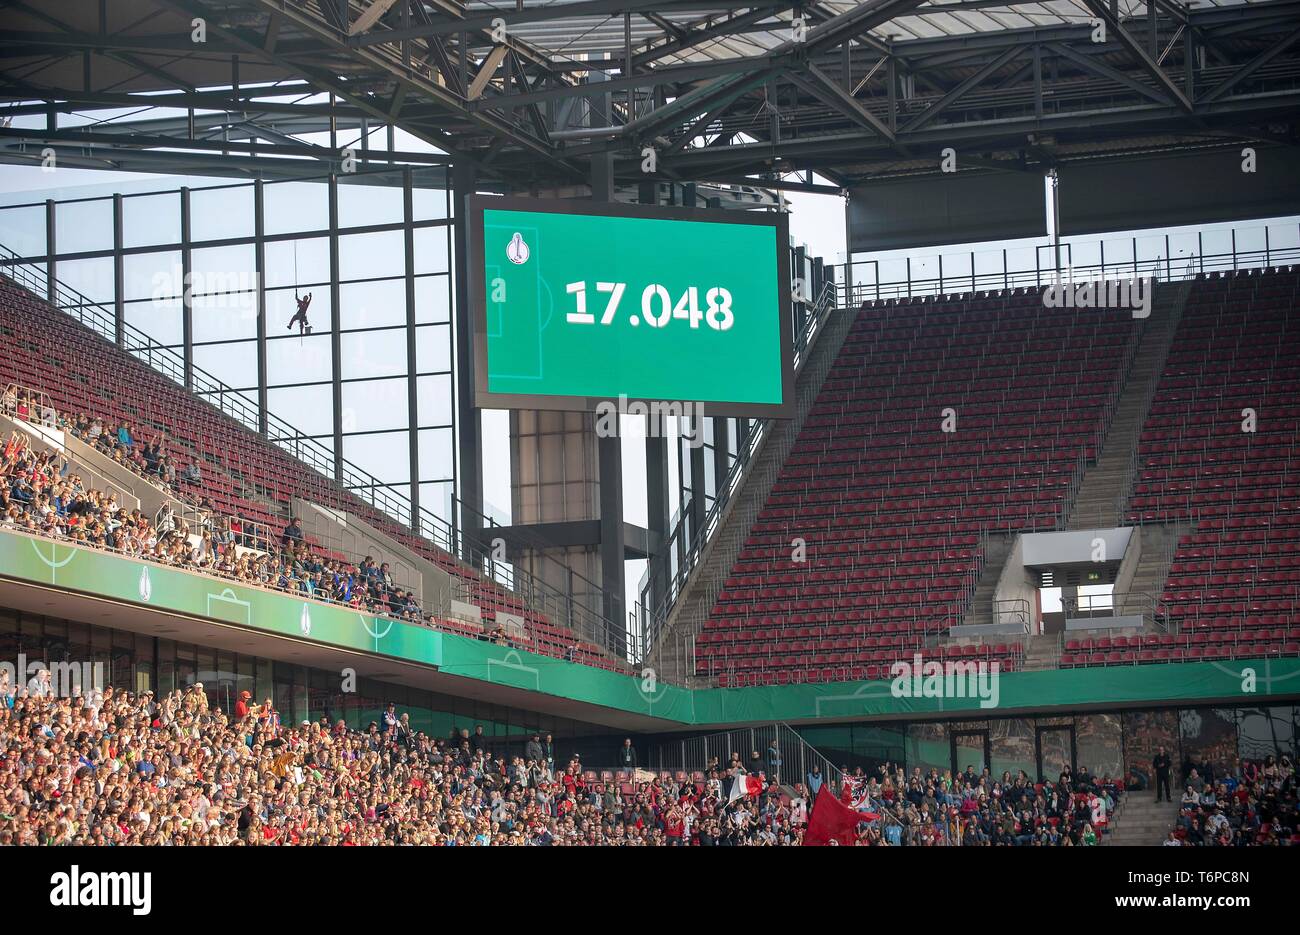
x,y
1100,500
996,551
1141,822
1158,543
1042,652
700,592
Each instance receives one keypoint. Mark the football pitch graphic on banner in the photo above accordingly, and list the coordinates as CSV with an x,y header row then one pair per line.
x,y
44,562
91,571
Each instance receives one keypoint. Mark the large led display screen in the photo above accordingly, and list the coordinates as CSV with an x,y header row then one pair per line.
x,y
578,304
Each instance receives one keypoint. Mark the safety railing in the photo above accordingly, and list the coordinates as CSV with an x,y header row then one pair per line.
x,y
25,404
1013,611
792,763
1166,264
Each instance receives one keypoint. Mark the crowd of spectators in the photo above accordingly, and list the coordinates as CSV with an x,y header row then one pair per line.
x,y
1254,806
122,768
973,809
42,492
119,442
115,767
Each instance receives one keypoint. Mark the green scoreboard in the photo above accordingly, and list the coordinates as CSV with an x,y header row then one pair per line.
x,y
578,303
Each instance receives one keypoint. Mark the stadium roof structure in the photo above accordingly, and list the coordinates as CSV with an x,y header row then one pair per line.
x,y
530,92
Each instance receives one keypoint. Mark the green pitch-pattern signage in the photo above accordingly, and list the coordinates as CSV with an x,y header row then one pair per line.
x,y
51,563
470,658
1240,681
579,304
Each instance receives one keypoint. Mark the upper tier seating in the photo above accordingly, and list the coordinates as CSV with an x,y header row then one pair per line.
x,y
892,508
1234,585
244,474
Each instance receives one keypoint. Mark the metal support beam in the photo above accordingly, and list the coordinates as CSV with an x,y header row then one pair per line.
x,y
259,261
187,290
824,87
51,252
1256,63
656,471
609,448
721,455
119,275
469,449
369,16
1095,65
412,362
336,324
486,71
956,93
1126,39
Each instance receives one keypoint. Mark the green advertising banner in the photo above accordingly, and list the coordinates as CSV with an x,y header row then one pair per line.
x,y
105,574
51,563
1249,680
582,303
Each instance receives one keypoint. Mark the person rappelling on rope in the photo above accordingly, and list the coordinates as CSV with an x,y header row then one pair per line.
x,y
300,317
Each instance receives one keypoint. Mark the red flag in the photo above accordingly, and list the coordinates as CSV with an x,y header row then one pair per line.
x,y
832,819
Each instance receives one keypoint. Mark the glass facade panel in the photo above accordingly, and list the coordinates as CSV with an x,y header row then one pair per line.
x,y
22,229
436,497
92,278
1144,733
387,453
1209,735
162,320
968,751
374,353
82,226
434,397
311,405
363,203
151,220
233,363
1268,731
298,359
433,348
1055,753
372,304
222,213
1099,743
374,404
431,250
429,204
296,206
223,270
151,275
225,317
435,454
1012,743
303,262
928,747
370,256
432,299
